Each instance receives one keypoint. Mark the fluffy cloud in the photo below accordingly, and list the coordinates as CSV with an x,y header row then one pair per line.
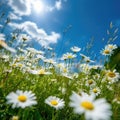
x,y
36,33
58,4
20,7
25,7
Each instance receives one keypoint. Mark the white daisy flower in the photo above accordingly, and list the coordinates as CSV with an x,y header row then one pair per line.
x,y
24,37
50,61
21,99
40,72
116,100
113,76
84,68
55,102
93,109
106,52
95,90
86,59
68,56
15,118
90,83
75,49
110,46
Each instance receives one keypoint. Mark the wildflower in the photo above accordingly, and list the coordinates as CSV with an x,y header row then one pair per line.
x,y
106,52
4,45
24,37
49,48
34,51
116,100
50,61
90,83
40,72
93,109
40,57
68,56
21,99
110,46
15,118
75,49
55,102
95,91
86,59
112,76
6,58
85,68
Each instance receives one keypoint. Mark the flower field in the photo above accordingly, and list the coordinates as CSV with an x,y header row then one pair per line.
x,y
34,87
38,83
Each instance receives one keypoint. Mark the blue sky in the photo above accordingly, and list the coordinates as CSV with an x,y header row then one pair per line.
x,y
65,23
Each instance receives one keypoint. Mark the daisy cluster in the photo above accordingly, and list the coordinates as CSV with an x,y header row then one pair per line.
x,y
51,82
38,79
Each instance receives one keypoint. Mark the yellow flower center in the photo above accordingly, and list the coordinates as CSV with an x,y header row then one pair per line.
x,y
95,90
15,118
20,65
90,82
24,39
64,70
111,46
13,65
111,74
54,102
87,105
106,51
22,98
87,60
70,56
42,71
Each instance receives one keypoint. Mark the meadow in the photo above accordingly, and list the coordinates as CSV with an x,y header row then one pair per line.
x,y
35,85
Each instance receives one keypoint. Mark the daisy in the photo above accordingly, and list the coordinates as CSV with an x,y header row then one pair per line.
x,y
113,76
68,56
55,102
84,68
40,72
15,118
106,52
50,61
75,49
86,59
90,83
116,100
95,91
21,99
24,37
93,109
110,46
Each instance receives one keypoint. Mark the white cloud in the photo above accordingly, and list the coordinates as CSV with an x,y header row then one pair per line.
x,y
58,4
20,7
36,33
25,7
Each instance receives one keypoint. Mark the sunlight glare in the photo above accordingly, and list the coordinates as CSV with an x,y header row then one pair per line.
x,y
38,6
